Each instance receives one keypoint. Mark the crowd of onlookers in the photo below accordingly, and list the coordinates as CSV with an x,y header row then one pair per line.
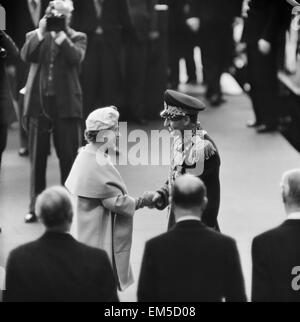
x,y
190,263
123,41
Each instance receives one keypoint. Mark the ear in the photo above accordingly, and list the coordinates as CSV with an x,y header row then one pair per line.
x,y
284,198
186,120
204,204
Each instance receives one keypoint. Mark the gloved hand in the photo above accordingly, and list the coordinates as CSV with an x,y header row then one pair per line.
x,y
146,200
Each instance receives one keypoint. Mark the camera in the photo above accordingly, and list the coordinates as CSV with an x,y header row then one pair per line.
x,y
55,21
3,53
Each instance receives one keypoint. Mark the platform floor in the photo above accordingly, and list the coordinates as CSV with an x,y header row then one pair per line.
x,y
252,166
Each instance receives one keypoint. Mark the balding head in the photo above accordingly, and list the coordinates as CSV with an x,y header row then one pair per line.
x,y
291,189
189,196
54,208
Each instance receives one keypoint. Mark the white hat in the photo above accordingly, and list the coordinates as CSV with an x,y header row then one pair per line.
x,y
103,119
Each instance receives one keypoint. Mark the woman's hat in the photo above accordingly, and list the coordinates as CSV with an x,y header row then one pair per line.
x,y
103,119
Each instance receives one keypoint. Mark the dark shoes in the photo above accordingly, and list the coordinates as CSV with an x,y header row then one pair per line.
x,y
216,100
23,152
30,218
263,128
253,124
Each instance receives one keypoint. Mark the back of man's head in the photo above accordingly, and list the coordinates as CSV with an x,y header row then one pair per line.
x,y
291,190
189,196
54,208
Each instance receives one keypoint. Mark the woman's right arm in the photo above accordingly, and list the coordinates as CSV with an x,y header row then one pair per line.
x,y
121,205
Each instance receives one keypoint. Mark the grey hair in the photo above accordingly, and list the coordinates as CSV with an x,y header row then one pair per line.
x,y
54,207
291,187
91,136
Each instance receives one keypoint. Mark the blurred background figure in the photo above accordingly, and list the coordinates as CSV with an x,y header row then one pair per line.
x,y
22,17
143,32
56,268
53,98
266,21
181,42
8,50
104,22
213,21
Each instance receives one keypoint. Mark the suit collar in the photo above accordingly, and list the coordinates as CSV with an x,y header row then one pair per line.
x,y
188,224
57,236
292,222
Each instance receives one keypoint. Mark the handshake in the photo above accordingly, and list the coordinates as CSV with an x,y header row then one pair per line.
x,y
150,199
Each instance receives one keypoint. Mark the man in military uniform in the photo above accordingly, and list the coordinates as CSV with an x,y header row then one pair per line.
x,y
192,151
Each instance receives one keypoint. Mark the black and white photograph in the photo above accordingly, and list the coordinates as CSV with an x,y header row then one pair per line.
x,y
149,153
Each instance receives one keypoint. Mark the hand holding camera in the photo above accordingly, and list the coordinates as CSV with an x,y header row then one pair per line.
x,y
43,26
56,17
55,21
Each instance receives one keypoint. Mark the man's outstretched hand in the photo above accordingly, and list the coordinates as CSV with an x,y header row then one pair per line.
x,y
150,199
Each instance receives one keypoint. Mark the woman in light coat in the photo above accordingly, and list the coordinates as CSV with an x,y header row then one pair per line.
x,y
103,209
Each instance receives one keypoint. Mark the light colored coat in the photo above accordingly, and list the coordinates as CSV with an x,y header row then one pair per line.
x,y
103,210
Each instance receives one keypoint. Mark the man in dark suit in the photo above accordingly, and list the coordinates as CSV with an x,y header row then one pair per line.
x,y
53,99
191,263
263,27
104,22
8,50
22,17
276,254
181,42
144,30
56,268
215,26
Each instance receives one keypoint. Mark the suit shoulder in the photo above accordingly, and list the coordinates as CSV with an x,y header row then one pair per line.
x,y
23,250
157,241
271,233
268,235
91,251
221,238
210,234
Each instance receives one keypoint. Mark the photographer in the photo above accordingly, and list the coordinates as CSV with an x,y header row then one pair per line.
x,y
7,50
53,98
